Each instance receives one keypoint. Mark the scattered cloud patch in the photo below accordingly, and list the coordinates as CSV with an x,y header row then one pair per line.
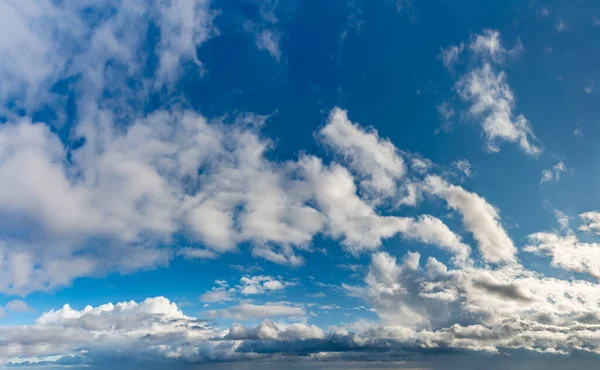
x,y
553,175
485,87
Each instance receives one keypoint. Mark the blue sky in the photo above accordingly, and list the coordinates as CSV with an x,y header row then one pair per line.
x,y
335,184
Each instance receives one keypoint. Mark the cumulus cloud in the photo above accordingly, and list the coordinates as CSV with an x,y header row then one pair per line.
x,y
478,308
144,182
268,330
101,42
355,222
112,196
126,326
567,252
261,284
590,222
115,194
491,99
479,217
376,160
423,309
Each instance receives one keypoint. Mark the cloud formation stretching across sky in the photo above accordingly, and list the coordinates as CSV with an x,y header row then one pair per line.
x,y
254,183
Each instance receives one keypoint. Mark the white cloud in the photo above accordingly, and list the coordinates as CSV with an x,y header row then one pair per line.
x,y
184,25
590,222
464,167
375,160
127,328
447,113
567,252
451,55
553,175
488,45
254,285
249,286
52,41
351,219
490,96
426,309
142,185
269,40
249,311
416,303
18,306
268,330
215,295
193,253
479,217
492,101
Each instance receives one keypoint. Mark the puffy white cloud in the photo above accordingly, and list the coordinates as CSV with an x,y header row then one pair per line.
x,y
184,24
590,222
479,217
268,330
478,308
376,160
101,42
567,252
490,96
356,223
129,327
492,101
261,284
139,186
215,295
497,310
488,45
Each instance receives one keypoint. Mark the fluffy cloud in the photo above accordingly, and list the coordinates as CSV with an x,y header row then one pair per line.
x,y
491,98
260,284
356,223
268,330
375,159
111,196
479,217
423,310
128,326
101,42
590,222
479,308
567,252
125,191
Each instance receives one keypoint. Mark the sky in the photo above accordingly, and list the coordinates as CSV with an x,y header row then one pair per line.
x,y
317,184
